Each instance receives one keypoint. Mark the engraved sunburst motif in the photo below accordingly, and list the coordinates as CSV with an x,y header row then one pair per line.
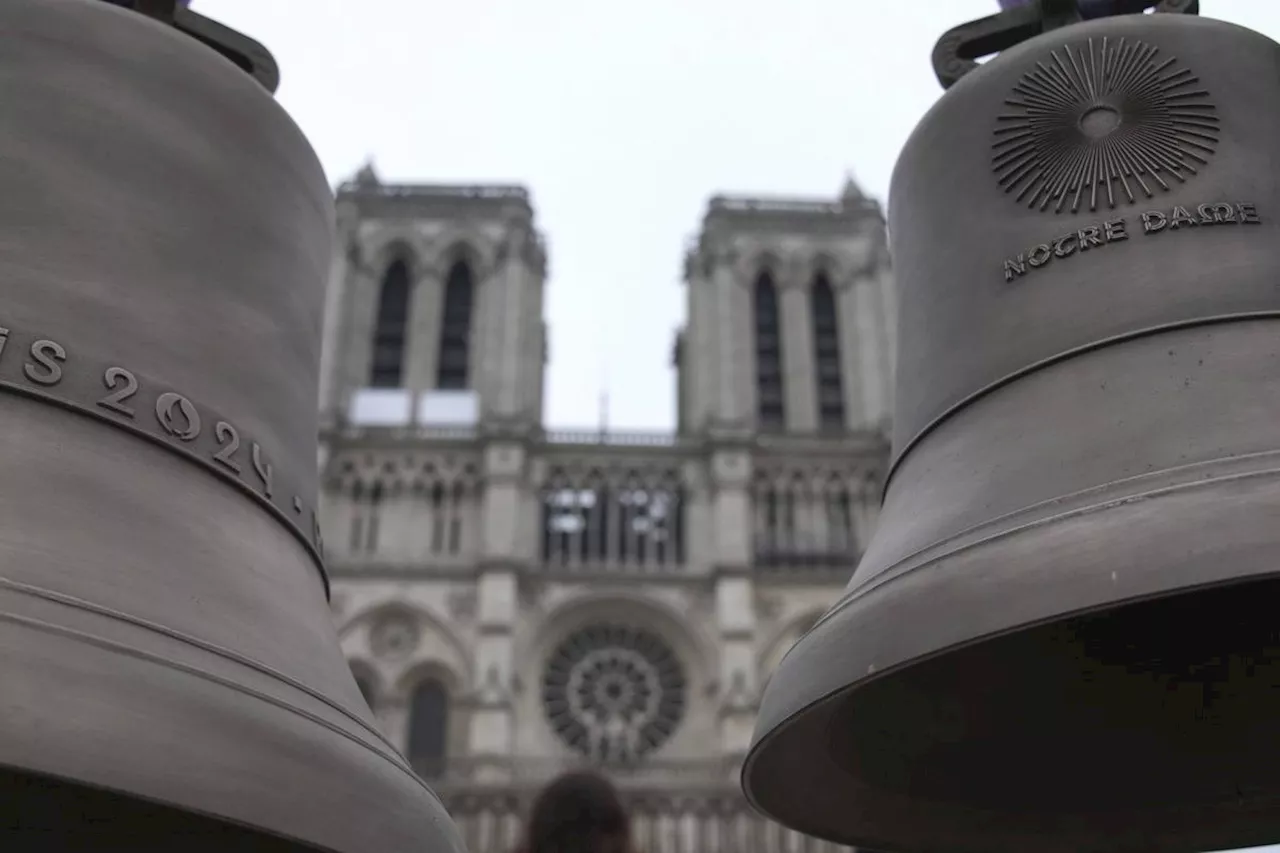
x,y
1102,124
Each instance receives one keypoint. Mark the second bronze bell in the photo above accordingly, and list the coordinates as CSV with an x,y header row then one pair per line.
x,y
170,679
1064,635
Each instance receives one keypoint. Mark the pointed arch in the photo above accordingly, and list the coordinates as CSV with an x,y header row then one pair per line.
x,y
428,727
440,652
365,504
372,520
826,343
770,410
391,325
453,368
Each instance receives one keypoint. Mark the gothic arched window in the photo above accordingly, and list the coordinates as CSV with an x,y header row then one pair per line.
x,y
371,521
826,342
452,371
769,408
428,727
390,328
365,505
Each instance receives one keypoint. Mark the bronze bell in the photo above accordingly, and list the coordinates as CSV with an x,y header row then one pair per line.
x,y
170,679
1064,633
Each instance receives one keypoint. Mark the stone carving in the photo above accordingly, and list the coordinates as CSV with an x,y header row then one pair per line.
x,y
395,636
768,605
739,696
1102,123
462,604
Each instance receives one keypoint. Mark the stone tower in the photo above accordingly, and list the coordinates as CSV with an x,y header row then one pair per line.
x,y
791,318
435,305
516,601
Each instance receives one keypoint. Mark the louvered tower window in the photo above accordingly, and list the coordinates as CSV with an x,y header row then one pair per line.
x,y
428,728
453,369
826,342
770,411
390,328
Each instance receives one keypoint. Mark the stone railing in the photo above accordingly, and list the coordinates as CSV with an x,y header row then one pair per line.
x,y
498,192
525,772
613,439
735,204
836,564
464,432
663,820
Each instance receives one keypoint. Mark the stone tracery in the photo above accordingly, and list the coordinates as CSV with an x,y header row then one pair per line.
x,y
614,516
810,517
442,492
613,692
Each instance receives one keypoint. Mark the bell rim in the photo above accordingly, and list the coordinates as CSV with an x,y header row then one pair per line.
x,y
91,787
797,707
213,739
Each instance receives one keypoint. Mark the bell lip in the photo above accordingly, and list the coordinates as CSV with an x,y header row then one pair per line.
x,y
221,741
809,725
797,705
198,813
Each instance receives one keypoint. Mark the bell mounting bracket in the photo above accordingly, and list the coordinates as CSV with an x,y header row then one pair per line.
x,y
250,56
958,51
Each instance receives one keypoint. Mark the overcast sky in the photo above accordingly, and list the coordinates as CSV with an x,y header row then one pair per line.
x,y
621,118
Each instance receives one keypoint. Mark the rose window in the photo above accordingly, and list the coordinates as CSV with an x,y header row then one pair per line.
x,y
613,693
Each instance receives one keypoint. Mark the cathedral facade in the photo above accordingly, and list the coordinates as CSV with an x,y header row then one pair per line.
x,y
516,601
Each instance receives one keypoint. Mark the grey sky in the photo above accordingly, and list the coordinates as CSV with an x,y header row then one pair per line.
x,y
622,119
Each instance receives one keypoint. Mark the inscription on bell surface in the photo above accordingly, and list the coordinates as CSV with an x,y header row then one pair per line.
x,y
1119,229
166,417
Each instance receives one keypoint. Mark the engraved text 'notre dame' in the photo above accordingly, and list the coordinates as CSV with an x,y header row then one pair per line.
x,y
1115,230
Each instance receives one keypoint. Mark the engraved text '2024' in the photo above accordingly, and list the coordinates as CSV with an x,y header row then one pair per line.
x,y
169,418
1115,230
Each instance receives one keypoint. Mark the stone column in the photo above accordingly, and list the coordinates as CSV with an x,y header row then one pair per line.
x,y
520,398
888,315
741,335
736,626
699,548
798,375
701,344
502,555
331,344
511,326
851,357
873,369
530,359
492,724
860,351
422,348
734,596
481,344
729,406
731,507
353,352
505,463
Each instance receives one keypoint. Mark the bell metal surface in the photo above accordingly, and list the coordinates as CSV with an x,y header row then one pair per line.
x,y
169,675
1063,635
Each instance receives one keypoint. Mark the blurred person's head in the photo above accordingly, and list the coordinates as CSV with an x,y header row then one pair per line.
x,y
578,813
